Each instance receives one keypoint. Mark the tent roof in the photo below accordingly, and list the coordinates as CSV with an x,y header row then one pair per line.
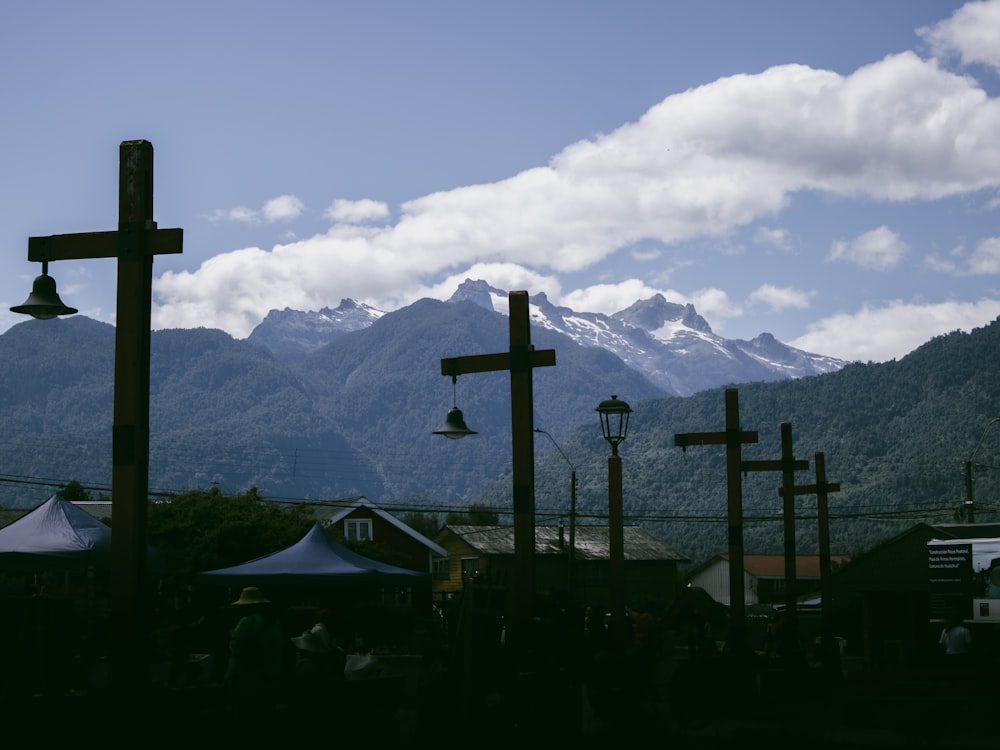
x,y
316,558
55,536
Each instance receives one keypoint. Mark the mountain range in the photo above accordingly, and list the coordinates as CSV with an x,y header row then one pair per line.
x,y
669,343
340,403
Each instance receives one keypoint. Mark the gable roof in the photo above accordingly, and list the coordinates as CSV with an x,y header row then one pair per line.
x,y
589,542
343,508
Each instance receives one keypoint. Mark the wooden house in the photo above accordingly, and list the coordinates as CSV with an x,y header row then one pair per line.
x,y
882,598
474,551
763,577
361,520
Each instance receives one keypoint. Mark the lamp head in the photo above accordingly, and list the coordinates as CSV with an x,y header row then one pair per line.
x,y
454,426
614,421
43,303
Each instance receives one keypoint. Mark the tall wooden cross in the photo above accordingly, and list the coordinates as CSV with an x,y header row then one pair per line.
x,y
520,361
787,465
733,438
821,489
135,243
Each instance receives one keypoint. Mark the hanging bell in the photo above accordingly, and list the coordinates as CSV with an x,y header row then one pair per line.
x,y
454,425
43,303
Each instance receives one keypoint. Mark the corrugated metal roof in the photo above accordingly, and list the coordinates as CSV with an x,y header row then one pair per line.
x,y
773,566
590,542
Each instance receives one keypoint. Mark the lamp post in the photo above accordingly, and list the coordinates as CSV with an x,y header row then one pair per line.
x,y
970,504
134,244
570,558
520,361
614,415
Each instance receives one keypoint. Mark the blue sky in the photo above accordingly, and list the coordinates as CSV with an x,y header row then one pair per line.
x,y
825,172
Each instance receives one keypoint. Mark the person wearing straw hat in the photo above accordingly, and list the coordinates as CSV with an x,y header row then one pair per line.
x,y
257,651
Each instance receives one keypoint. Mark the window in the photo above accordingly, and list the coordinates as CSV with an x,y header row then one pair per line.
x,y
358,529
470,567
441,568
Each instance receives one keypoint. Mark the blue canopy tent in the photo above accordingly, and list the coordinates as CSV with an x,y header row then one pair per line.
x,y
59,536
56,535
316,559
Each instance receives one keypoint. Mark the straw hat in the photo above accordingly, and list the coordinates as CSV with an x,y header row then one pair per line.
x,y
251,595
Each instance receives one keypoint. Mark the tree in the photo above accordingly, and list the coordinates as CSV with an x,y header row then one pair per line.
x,y
74,492
427,524
204,529
477,515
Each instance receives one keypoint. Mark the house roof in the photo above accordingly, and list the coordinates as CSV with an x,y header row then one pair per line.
x,y
773,566
589,542
349,506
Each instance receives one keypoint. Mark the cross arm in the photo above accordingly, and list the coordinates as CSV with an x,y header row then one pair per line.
x,y
102,244
778,464
812,489
684,439
493,362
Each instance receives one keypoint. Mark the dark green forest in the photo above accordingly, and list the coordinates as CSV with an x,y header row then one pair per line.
x,y
894,435
356,416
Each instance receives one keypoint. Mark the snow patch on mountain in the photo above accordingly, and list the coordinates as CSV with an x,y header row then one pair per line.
x,y
669,343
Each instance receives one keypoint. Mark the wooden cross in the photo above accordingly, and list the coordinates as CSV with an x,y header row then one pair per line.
x,y
135,243
820,489
733,438
787,465
520,361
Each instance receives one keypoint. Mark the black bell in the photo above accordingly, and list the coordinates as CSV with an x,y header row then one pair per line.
x,y
454,425
43,302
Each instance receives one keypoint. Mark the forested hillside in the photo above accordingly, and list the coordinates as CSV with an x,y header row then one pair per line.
x,y
355,418
895,436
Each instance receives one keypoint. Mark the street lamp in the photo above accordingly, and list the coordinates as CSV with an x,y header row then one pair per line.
x,y
43,303
970,504
570,572
614,424
454,427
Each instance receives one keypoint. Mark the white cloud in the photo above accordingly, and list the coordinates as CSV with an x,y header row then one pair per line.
x,y
985,258
645,255
879,334
357,212
697,165
239,213
772,237
937,263
282,208
610,298
781,298
879,250
506,276
970,33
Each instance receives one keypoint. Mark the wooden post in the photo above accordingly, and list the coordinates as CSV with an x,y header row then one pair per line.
x,y
787,465
821,488
733,438
520,361
135,243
